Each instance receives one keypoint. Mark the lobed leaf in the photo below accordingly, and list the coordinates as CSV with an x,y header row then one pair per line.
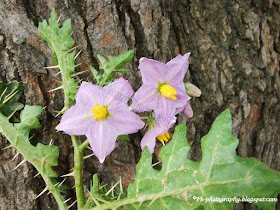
x,y
185,184
113,65
60,41
9,96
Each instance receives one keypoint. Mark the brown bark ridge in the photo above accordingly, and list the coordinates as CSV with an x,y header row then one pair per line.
x,y
235,61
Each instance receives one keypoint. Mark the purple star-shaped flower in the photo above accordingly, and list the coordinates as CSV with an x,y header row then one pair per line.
x,y
102,114
149,139
163,88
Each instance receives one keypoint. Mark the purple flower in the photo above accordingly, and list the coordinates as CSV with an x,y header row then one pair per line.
x,y
156,131
163,88
102,114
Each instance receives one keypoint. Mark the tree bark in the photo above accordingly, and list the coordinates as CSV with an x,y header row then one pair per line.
x,y
235,62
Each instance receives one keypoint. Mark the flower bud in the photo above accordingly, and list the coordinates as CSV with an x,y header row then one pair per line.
x,y
192,90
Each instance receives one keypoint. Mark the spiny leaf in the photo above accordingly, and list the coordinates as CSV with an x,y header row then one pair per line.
x,y
60,41
9,96
113,65
219,174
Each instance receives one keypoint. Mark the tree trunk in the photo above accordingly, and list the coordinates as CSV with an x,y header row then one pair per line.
x,y
235,62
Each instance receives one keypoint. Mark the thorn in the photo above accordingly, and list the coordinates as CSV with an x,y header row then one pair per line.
x,y
73,187
51,142
78,65
58,81
52,67
57,114
72,204
9,117
31,137
19,165
76,74
67,200
112,188
73,48
88,147
58,19
49,192
15,156
58,88
3,93
80,81
11,96
121,189
7,147
77,54
58,73
156,163
70,174
56,184
61,182
36,175
44,190
88,156
94,199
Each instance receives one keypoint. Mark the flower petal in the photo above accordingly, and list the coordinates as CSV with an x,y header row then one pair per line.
x,y
188,112
89,95
145,99
182,98
165,111
177,68
152,72
125,121
74,121
102,137
149,139
119,91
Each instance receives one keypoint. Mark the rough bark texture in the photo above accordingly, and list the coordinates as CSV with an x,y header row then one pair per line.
x,y
235,61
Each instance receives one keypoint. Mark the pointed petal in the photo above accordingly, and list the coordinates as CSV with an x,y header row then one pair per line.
x,y
152,72
89,95
182,98
149,139
177,68
145,99
165,111
74,121
119,91
125,121
188,112
102,137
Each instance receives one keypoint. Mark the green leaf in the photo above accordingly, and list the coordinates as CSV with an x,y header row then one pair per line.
x,y
96,75
60,41
185,184
9,96
113,65
124,138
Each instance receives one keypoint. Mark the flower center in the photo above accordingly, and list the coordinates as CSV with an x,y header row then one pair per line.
x,y
164,137
99,112
168,91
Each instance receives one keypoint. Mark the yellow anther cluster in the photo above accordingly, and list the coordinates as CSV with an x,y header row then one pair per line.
x,y
164,137
99,112
168,91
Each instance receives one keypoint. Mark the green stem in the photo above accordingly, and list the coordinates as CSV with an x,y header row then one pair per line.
x,y
84,145
78,172
56,194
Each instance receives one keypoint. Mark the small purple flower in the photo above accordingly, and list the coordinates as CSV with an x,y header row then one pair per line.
x,y
156,131
102,114
163,88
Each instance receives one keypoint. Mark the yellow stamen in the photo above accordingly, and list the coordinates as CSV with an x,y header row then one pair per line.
x,y
99,112
164,137
168,91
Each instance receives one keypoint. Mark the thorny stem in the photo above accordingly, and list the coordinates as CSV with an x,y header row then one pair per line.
x,y
78,172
